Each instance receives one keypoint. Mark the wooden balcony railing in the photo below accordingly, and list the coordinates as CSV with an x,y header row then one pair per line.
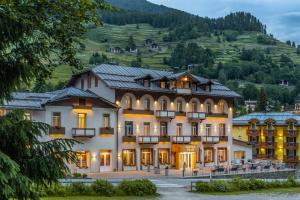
x,y
252,132
83,132
57,130
290,133
162,114
270,133
181,139
267,144
106,131
148,139
129,138
290,159
290,145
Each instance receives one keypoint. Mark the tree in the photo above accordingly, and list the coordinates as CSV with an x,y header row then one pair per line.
x,y
294,44
97,59
262,101
288,42
130,44
298,49
138,61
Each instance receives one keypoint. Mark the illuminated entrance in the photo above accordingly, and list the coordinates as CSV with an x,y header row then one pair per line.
x,y
187,159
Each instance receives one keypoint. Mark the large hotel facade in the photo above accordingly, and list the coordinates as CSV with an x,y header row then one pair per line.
x,y
131,118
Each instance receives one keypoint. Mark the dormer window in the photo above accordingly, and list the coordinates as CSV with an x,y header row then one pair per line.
x,y
163,84
173,85
146,83
207,88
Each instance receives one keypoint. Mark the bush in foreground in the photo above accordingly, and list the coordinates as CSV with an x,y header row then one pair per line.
x,y
102,188
137,187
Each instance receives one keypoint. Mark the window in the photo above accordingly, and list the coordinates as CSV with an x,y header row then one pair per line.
x,y
179,129
82,159
146,157
269,126
222,107
128,128
222,129
163,128
96,82
194,129
239,155
82,84
82,102
147,129
291,126
163,156
81,120
128,102
89,81
164,104
179,106
146,83
162,84
208,107
129,157
207,88
56,119
147,104
173,85
208,129
208,155
1,112
194,107
27,116
253,126
222,155
106,120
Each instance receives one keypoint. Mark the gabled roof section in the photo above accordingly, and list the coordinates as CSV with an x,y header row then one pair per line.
x,y
70,92
122,77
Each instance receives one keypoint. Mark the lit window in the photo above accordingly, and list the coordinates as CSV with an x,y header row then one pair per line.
x,y
81,120
291,125
239,155
179,106
82,159
222,155
194,107
253,126
173,85
147,104
163,156
129,157
105,159
164,105
222,107
146,129
163,128
208,107
128,128
128,102
56,119
208,129
27,116
146,83
162,84
222,129
1,112
194,129
208,155
146,157
179,129
106,120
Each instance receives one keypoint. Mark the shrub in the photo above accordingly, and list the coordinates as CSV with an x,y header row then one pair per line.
x,y
102,188
203,187
137,187
76,175
79,189
240,184
221,186
255,184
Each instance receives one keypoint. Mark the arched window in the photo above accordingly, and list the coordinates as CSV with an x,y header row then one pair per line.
x,y
194,106
164,104
208,107
179,106
222,107
147,104
128,102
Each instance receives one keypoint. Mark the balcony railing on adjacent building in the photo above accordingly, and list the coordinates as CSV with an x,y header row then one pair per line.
x,y
195,116
148,139
57,130
83,132
164,138
290,145
181,139
252,132
106,131
270,145
270,133
129,138
290,133
290,159
211,139
164,114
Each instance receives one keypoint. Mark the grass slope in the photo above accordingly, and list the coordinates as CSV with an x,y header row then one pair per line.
x,y
102,38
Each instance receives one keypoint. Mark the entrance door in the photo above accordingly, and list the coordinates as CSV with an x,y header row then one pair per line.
x,y
105,162
186,158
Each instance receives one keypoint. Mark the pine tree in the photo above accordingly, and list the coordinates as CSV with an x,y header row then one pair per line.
x,y
262,101
130,44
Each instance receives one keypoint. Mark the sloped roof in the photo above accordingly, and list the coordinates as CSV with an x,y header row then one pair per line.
x,y
36,101
121,77
278,117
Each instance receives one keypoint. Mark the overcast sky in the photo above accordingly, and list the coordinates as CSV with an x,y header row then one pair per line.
x,y
282,17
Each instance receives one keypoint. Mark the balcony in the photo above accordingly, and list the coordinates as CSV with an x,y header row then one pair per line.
x,y
161,114
57,130
290,159
271,157
195,116
83,132
252,132
181,139
83,107
223,138
290,133
268,145
210,139
196,138
138,112
180,114
184,90
253,142
164,138
290,145
219,115
270,133
129,138
106,131
148,139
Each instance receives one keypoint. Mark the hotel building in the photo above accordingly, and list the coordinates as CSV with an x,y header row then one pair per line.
x,y
274,135
133,118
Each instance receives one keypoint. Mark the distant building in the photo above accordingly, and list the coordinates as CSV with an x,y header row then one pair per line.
x,y
149,42
284,83
250,105
115,49
154,47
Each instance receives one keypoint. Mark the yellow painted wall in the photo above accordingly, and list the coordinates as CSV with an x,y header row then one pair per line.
x,y
240,131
